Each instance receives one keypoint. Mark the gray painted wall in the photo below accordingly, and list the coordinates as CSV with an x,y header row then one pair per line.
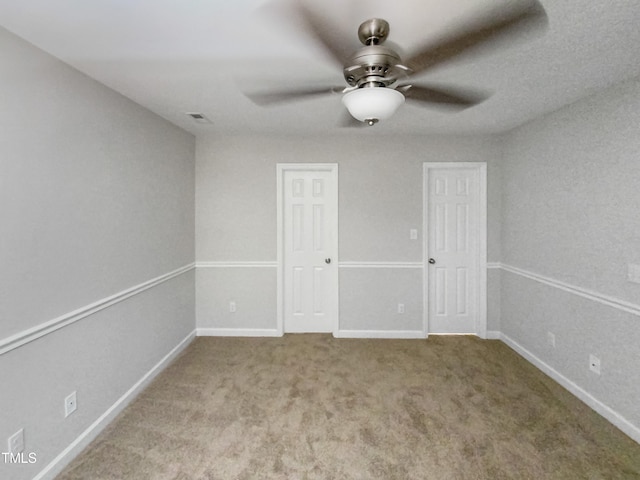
x,y
96,197
571,185
380,200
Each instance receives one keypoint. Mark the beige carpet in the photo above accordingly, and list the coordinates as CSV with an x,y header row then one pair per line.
x,y
316,407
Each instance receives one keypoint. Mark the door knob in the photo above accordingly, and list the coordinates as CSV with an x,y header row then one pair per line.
x,y
327,260
432,261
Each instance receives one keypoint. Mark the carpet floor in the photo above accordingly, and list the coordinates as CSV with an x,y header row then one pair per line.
x,y
316,407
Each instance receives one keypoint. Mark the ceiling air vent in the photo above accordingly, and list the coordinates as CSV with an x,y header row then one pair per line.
x,y
199,117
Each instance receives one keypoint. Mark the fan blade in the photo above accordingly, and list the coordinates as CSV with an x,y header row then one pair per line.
x,y
477,33
287,96
449,97
319,27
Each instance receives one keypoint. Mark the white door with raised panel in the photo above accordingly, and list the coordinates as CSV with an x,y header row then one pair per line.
x,y
309,246
455,248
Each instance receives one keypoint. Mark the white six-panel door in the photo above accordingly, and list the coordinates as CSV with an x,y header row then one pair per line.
x,y
454,248
309,243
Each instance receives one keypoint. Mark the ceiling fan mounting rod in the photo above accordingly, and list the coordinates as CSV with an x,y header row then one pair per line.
x,y
373,32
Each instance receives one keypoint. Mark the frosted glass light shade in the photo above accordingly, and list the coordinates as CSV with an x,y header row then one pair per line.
x,y
372,103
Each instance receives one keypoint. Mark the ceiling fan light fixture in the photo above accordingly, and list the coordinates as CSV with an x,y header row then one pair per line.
x,y
372,104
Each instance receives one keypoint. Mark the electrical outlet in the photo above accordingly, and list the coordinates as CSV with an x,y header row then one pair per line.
x,y
70,404
401,308
594,364
16,442
232,307
551,339
413,234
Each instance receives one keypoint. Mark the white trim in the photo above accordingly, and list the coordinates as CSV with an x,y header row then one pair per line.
x,y
425,252
280,169
379,334
493,335
280,248
85,438
261,264
224,264
607,412
482,251
623,305
238,332
481,167
31,334
493,265
381,265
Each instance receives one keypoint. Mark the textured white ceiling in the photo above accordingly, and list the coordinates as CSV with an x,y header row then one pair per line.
x,y
177,56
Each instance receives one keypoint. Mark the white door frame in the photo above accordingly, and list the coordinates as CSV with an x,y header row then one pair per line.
x,y
281,168
481,253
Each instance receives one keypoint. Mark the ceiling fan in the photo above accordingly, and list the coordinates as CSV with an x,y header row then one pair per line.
x,y
377,77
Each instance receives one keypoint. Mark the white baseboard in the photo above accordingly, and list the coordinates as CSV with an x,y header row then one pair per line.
x,y
238,332
86,437
607,412
254,332
493,335
380,334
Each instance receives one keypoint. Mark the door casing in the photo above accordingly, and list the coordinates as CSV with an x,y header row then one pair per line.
x,y
481,235
281,168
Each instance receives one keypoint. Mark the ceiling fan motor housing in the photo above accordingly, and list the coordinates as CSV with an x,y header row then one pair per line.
x,y
374,65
